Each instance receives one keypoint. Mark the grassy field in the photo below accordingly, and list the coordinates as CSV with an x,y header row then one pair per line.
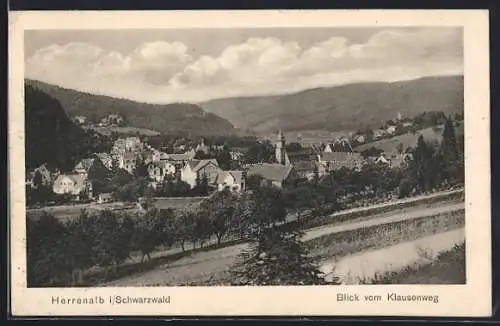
x,y
65,212
448,268
408,140
106,131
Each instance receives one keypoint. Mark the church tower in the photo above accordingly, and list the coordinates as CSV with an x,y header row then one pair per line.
x,y
280,148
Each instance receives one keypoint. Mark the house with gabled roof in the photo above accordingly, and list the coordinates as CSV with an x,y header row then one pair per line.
x,y
87,164
275,174
198,169
232,180
179,160
72,184
46,177
340,145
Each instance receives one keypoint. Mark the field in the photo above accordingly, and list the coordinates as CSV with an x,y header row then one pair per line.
x,y
106,131
64,212
408,140
211,267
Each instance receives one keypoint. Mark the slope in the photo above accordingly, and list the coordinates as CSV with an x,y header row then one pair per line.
x,y
344,107
165,118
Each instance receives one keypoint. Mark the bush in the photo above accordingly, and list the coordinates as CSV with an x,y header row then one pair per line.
x,y
277,257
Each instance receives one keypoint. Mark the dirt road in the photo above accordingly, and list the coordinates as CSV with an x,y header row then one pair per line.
x,y
200,265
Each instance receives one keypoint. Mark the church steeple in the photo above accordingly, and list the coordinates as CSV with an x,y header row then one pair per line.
x,y
280,148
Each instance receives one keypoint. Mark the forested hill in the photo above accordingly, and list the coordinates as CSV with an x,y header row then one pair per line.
x,y
164,118
50,136
346,107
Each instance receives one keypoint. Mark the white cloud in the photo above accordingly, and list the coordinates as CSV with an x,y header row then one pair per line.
x,y
162,71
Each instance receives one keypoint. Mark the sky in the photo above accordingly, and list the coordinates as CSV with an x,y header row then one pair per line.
x,y
194,65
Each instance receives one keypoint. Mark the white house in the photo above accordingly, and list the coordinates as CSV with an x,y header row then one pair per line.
x,y
104,198
391,130
85,165
159,169
379,133
382,159
360,139
73,184
195,169
232,180
80,119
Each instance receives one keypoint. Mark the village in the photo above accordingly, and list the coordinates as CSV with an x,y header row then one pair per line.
x,y
291,162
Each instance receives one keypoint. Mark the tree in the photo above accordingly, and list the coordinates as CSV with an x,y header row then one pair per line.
x,y
254,181
293,147
131,191
260,153
37,179
185,224
147,233
221,209
265,207
166,226
423,167
405,188
277,257
141,170
48,257
81,244
201,187
111,241
400,148
449,154
202,228
224,158
371,152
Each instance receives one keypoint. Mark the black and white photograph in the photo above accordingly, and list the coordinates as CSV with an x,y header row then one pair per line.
x,y
246,156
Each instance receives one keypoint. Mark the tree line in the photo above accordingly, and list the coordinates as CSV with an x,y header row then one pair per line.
x,y
59,252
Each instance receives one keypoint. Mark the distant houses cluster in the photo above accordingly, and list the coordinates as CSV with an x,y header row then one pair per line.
x,y
300,162
110,120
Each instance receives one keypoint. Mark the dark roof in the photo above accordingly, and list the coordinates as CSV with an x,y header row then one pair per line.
x,y
196,165
273,172
339,160
340,156
341,145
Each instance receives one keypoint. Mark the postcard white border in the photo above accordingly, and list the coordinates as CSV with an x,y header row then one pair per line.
x,y
472,299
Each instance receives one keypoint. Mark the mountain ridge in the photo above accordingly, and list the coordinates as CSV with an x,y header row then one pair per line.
x,y
341,107
166,118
